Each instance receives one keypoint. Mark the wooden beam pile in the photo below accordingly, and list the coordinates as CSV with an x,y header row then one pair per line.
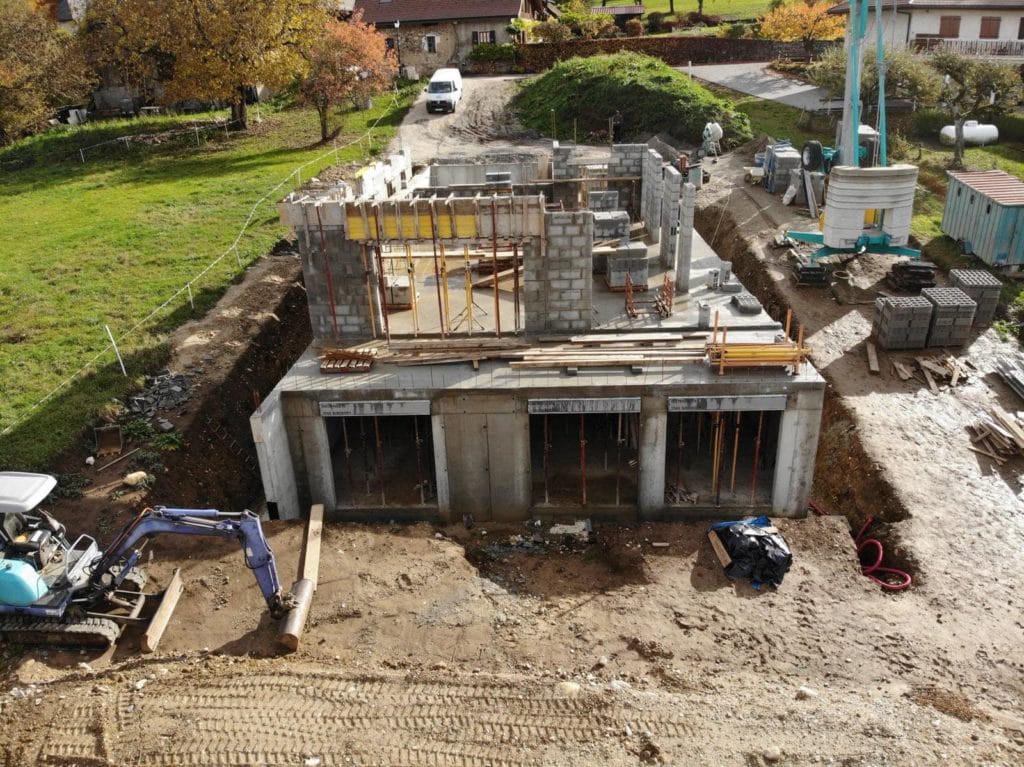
x,y
358,360
933,371
446,351
998,435
636,351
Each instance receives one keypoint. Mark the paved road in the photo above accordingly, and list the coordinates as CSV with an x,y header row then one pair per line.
x,y
755,80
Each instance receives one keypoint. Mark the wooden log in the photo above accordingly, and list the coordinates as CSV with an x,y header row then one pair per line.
x,y
311,544
158,623
295,621
873,359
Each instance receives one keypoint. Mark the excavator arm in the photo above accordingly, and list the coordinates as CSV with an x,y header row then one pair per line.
x,y
111,567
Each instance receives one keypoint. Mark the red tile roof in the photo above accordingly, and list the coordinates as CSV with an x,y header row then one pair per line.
x,y
997,185
389,11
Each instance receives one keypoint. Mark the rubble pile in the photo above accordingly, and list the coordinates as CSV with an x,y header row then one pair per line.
x,y
164,391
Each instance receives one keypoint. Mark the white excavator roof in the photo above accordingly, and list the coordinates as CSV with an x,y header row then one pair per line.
x,y
20,491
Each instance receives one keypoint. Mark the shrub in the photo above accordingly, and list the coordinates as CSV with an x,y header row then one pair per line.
x,y
1011,127
656,23
634,28
693,18
493,52
652,97
735,31
927,123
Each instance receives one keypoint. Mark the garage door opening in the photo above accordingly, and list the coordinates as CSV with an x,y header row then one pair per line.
x,y
721,458
383,461
586,459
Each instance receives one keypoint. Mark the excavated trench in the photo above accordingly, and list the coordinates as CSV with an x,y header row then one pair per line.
x,y
847,481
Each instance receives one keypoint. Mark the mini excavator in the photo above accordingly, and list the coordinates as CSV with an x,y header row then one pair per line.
x,y
55,591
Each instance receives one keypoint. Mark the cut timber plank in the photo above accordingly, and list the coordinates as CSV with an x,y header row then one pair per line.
x,y
873,359
720,552
902,371
311,545
930,380
998,459
158,623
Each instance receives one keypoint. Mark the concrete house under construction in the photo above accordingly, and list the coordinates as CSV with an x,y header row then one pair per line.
x,y
532,335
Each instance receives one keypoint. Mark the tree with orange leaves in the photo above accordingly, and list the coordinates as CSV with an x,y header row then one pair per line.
x,y
802,20
349,62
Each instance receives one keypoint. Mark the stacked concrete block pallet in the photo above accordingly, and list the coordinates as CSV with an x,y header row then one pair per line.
x,y
983,287
611,225
902,322
952,316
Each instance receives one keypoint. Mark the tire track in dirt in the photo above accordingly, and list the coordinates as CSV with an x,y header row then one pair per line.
x,y
277,717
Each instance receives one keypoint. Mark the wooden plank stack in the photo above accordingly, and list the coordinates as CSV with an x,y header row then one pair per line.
x,y
998,435
933,371
347,360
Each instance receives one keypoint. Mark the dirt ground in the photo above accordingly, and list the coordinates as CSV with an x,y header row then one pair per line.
x,y
497,645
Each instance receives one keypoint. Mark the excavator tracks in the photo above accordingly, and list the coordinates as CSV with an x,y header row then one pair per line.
x,y
88,632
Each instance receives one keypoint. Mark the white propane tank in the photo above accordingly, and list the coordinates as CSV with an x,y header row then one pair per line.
x,y
975,133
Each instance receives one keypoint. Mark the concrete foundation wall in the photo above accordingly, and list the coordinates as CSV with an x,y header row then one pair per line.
x,y
603,200
487,440
558,284
798,446
276,469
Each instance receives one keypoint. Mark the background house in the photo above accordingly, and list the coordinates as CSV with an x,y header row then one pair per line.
x,y
971,27
430,35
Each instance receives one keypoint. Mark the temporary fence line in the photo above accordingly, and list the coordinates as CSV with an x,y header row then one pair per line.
x,y
187,288
127,139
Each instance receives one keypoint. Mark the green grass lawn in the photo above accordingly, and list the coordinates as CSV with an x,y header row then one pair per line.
x,y
727,9
109,241
772,118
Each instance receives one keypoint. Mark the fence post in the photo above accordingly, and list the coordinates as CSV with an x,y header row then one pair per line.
x,y
197,134
116,350
188,287
81,153
238,256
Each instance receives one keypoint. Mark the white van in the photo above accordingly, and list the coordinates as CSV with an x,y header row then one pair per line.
x,y
444,91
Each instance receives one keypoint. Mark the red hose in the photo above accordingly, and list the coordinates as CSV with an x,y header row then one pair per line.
x,y
901,580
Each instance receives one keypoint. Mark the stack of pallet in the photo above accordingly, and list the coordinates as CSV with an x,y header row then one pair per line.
x,y
998,435
983,287
952,316
902,323
911,276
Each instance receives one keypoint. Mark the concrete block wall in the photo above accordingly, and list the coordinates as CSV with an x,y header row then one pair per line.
x,y
638,270
350,307
603,200
983,287
558,283
671,193
627,160
561,151
650,194
684,237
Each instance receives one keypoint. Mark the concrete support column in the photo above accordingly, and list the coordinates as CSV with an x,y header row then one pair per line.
x,y
316,446
444,496
798,445
653,443
684,238
508,446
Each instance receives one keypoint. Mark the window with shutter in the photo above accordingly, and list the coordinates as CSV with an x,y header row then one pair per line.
x,y
476,38
1020,29
949,26
989,28
430,44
